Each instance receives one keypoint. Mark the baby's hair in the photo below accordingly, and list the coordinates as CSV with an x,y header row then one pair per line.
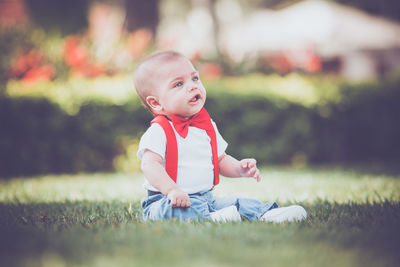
x,y
142,77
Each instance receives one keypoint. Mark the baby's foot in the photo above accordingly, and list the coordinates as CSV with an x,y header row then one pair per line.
x,y
228,214
285,214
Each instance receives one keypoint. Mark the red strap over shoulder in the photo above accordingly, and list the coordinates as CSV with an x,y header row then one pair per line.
x,y
213,136
171,152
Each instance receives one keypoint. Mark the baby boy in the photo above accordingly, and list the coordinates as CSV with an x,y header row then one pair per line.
x,y
182,153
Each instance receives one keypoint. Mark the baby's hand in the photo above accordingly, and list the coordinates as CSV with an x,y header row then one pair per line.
x,y
248,168
179,198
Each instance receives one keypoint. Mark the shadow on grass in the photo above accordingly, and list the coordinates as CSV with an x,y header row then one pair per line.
x,y
79,232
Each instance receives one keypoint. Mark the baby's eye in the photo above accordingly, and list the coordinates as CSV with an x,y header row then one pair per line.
x,y
178,84
195,78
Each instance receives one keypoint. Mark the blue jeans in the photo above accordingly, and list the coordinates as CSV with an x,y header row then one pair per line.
x,y
158,207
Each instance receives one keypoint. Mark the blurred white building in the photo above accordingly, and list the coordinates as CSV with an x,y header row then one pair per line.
x,y
348,41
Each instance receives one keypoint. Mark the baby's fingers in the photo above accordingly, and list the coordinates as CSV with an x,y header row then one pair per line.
x,y
248,163
257,176
173,202
244,164
187,204
251,172
252,163
184,202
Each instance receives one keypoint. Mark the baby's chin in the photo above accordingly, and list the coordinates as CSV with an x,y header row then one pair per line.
x,y
198,108
192,111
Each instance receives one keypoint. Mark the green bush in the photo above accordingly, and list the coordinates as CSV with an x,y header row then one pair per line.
x,y
41,132
362,128
38,137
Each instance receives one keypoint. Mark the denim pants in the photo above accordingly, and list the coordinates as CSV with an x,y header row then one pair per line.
x,y
158,207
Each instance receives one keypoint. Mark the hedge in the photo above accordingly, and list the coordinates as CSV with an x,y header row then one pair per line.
x,y
37,136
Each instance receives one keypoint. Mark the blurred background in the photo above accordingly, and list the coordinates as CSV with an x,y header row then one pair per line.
x,y
296,83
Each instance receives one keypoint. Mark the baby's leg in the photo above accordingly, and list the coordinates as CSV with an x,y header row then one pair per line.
x,y
249,208
159,207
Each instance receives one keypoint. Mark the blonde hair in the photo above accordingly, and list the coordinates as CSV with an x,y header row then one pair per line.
x,y
142,77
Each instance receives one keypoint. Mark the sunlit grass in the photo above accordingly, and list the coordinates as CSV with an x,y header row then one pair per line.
x,y
307,186
95,220
58,188
284,185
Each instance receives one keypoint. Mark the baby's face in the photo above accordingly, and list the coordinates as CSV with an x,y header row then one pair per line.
x,y
179,89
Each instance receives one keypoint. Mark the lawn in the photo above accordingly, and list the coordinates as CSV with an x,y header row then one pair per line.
x,y
95,220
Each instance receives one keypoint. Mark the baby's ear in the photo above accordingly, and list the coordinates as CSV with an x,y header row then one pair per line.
x,y
153,103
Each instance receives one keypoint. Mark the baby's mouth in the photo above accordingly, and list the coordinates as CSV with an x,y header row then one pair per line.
x,y
195,98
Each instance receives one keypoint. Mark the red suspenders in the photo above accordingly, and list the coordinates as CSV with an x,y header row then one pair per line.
x,y
171,154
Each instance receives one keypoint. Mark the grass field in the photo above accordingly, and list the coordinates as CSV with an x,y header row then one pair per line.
x,y
95,220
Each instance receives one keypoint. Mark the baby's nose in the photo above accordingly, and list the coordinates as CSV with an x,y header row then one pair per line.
x,y
192,87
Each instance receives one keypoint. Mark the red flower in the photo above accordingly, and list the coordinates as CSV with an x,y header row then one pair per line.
x,y
282,64
211,71
30,68
77,57
24,62
139,41
75,54
40,73
314,64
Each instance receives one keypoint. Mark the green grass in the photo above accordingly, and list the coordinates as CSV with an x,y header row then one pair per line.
x,y
95,220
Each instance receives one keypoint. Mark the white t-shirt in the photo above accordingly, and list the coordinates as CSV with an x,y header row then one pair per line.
x,y
195,168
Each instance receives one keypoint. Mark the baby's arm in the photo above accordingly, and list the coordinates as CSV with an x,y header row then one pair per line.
x,y
231,167
157,176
